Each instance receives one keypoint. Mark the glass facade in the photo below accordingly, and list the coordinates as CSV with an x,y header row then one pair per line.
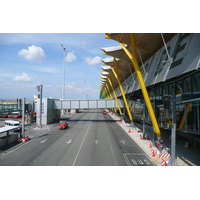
x,y
187,109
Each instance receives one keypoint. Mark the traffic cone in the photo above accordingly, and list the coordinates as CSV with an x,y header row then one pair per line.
x,y
163,163
147,137
187,145
129,130
152,154
150,145
140,137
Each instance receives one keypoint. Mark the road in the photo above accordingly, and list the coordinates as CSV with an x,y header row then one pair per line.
x,y
92,139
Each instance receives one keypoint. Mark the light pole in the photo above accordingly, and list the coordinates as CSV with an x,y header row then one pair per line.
x,y
63,83
39,89
84,90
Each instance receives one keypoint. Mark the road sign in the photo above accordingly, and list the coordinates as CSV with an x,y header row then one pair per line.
x,y
161,146
161,141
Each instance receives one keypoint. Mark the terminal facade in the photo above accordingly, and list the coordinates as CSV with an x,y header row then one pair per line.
x,y
169,65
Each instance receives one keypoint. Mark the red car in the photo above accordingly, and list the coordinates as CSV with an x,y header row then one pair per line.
x,y
63,124
104,112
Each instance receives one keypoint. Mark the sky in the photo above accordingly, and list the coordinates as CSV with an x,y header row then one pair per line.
x,y
30,59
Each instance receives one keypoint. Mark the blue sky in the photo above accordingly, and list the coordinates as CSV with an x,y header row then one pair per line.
x,y
29,59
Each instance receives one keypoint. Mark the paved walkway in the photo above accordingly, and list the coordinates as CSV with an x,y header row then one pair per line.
x,y
185,156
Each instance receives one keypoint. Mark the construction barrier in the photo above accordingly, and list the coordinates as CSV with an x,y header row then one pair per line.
x,y
25,139
164,155
152,154
163,163
131,131
150,145
187,145
147,137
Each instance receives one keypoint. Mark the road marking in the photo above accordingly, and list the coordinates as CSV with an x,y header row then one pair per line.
x,y
82,143
131,160
43,141
123,142
70,141
96,141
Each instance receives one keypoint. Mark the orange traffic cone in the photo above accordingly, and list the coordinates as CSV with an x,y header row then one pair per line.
x,y
140,137
150,145
152,154
147,137
163,163
129,130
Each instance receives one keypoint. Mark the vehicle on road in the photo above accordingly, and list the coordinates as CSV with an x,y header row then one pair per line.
x,y
63,124
104,112
13,123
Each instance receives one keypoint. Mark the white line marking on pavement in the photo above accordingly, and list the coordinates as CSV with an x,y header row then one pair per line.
x,y
123,142
82,143
70,141
96,141
43,141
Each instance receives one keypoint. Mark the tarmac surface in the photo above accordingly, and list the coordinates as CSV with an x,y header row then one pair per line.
x,y
185,156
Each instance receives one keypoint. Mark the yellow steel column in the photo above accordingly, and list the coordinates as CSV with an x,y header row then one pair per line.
x,y
110,96
184,116
142,84
115,95
116,74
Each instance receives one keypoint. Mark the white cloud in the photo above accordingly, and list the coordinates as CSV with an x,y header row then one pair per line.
x,y
33,53
23,77
70,57
92,61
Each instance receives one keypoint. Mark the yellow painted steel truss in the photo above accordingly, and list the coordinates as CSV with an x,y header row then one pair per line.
x,y
132,56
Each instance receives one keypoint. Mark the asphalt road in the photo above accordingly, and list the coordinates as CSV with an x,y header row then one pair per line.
x,y
92,139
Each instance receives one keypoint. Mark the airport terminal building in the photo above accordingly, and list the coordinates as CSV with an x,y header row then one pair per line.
x,y
168,69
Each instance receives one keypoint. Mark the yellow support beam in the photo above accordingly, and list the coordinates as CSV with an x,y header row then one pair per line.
x,y
133,58
115,95
184,116
110,96
116,74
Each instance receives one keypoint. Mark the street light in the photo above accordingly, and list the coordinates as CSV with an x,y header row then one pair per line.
x,y
39,89
63,83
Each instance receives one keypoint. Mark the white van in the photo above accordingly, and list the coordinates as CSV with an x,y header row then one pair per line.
x,y
12,123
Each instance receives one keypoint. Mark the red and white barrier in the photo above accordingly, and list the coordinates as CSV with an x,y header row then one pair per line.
x,y
152,154
164,163
164,155
25,139
147,137
132,131
187,145
150,145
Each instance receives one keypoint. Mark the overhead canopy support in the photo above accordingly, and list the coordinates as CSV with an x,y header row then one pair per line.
x,y
106,78
116,74
133,58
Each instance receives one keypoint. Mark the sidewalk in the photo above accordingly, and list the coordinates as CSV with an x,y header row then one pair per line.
x,y
185,156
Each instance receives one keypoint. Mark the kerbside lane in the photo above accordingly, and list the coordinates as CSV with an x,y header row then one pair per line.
x,y
93,139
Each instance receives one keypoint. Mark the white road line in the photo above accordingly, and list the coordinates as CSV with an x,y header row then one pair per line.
x,y
96,141
69,141
82,143
43,141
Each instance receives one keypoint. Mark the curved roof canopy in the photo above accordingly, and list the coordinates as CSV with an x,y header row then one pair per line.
x,y
146,43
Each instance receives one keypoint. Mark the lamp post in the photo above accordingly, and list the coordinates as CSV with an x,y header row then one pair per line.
x,y
63,83
39,89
